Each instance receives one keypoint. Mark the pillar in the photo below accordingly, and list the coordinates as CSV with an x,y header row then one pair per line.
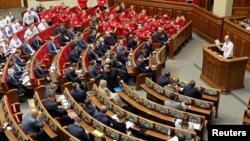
x,y
223,7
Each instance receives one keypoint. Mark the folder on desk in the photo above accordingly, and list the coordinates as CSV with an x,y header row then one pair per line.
x,y
118,89
98,133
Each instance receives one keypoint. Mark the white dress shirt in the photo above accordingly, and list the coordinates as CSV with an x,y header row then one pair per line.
x,y
8,18
2,36
29,33
227,49
30,18
5,47
42,26
16,27
9,30
2,23
15,43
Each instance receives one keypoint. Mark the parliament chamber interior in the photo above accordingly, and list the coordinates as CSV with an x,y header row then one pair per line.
x,y
124,70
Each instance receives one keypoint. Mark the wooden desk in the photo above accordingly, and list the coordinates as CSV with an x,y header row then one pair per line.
x,y
246,119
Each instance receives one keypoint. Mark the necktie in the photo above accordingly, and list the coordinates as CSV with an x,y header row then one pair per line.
x,y
37,43
54,46
96,55
14,79
31,50
19,69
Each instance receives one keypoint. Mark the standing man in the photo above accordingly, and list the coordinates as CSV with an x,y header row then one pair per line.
x,y
227,48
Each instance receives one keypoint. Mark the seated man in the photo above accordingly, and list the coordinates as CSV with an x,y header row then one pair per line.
x,y
42,25
143,68
52,47
174,104
76,130
32,123
31,31
78,94
161,36
102,117
56,110
14,83
27,49
72,76
36,43
94,71
40,73
109,40
75,55
190,90
163,79
89,107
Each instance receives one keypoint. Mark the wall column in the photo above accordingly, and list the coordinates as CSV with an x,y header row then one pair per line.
x,y
223,7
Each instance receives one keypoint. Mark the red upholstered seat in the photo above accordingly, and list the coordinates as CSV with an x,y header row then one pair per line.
x,y
20,33
5,85
90,11
45,34
85,24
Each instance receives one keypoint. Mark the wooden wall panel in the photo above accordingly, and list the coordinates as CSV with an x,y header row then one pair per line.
x,y
241,8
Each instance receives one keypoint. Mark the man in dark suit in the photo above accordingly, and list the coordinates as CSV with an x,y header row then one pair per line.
x,y
40,73
92,55
20,62
161,36
148,45
64,38
92,36
143,51
74,55
58,29
71,76
143,68
3,58
102,117
81,43
122,56
190,90
94,71
133,43
36,43
109,40
56,110
13,83
71,33
98,50
52,47
76,130
78,94
163,79
27,49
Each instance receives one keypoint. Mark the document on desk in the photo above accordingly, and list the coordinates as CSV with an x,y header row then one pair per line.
x,y
175,138
25,80
217,42
129,124
196,125
98,133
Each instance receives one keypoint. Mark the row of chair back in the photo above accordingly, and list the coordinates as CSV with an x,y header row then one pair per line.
x,y
109,133
154,129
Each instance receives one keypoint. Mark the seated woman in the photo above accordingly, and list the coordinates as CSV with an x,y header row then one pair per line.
x,y
113,96
119,123
184,124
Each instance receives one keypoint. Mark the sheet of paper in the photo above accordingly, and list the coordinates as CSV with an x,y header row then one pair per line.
x,y
98,133
129,124
25,80
114,117
217,42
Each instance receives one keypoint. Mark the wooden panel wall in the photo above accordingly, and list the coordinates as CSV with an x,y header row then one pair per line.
x,y
10,3
239,36
241,8
205,23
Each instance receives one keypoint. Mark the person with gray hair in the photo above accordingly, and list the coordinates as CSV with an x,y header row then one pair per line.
x,y
174,104
14,83
33,123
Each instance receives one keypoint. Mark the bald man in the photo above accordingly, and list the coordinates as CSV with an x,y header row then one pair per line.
x,y
190,90
227,48
32,123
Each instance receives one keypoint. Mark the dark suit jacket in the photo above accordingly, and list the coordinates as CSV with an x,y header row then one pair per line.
x,y
36,44
73,57
52,108
63,40
57,30
93,73
120,126
161,39
141,66
109,41
71,34
111,78
19,61
74,44
92,56
91,110
2,58
15,84
162,80
78,95
71,76
145,54
78,132
39,72
102,118
148,47
122,57
192,92
25,49
91,38
99,51
132,44
51,49
82,44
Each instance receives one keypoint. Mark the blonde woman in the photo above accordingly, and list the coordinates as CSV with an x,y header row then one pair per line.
x,y
113,96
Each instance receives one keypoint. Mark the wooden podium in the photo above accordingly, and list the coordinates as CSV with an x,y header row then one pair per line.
x,y
221,73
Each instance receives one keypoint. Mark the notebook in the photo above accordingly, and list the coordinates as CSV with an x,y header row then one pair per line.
x,y
118,89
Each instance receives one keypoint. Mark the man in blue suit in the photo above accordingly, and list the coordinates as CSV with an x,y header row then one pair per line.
x,y
74,55
163,79
27,49
52,47
76,130
102,117
20,62
78,94
190,90
36,43
143,68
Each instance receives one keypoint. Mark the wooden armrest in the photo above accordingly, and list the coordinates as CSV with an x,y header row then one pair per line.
x,y
40,81
18,117
16,107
